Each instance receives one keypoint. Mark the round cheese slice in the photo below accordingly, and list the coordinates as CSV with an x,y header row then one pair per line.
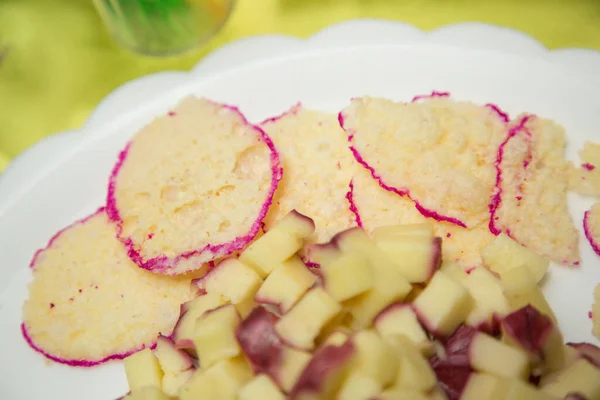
x,y
192,186
530,203
436,151
318,168
89,303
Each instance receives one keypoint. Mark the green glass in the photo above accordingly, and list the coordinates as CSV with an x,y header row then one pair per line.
x,y
163,27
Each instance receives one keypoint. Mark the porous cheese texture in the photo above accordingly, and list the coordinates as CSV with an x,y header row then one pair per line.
x,y
591,227
376,206
89,303
318,168
586,179
596,312
530,204
192,186
439,152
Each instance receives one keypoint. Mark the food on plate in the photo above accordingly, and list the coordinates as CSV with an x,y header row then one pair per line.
x,y
580,377
185,327
588,351
442,318
481,386
232,280
400,257
374,357
374,206
214,335
260,387
414,371
414,249
318,167
536,334
143,369
487,354
530,202
220,381
285,285
591,227
146,393
177,366
192,186
281,242
347,276
301,325
504,254
324,373
89,303
401,319
490,301
437,151
586,179
343,336
596,312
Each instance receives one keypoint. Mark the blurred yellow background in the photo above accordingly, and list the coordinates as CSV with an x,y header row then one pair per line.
x,y
62,62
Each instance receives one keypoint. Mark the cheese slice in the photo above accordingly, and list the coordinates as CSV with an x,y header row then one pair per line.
x,y
586,179
89,303
192,186
318,168
530,204
439,152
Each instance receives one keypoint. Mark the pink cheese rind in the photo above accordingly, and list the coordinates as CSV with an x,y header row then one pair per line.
x,y
353,208
60,232
78,363
588,233
426,212
163,264
292,111
428,96
503,116
496,198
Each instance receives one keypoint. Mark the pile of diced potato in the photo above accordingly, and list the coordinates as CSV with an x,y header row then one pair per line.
x,y
382,318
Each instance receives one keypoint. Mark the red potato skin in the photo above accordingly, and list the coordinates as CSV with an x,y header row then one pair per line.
x,y
492,327
530,328
324,361
588,351
436,256
182,344
269,304
457,346
452,379
305,219
444,338
189,360
391,308
453,371
319,253
575,396
260,342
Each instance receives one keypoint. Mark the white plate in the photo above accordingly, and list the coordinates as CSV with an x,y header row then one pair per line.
x,y
64,177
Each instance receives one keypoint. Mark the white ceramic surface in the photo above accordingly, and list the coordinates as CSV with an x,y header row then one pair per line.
x,y
64,176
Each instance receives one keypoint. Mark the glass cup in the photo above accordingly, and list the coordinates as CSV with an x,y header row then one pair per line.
x,y
163,27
